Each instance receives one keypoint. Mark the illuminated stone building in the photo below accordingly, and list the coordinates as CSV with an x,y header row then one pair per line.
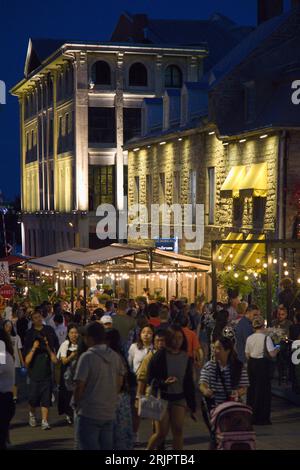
x,y
81,101
230,142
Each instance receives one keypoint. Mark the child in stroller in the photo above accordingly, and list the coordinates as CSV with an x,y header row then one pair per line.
x,y
230,425
223,383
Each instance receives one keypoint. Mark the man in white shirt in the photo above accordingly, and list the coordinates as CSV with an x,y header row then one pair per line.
x,y
60,329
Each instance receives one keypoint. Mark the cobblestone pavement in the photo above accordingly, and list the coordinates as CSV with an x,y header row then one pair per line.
x,y
283,434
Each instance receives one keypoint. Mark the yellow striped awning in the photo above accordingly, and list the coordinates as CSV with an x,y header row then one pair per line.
x,y
231,185
246,180
248,253
224,251
243,255
255,182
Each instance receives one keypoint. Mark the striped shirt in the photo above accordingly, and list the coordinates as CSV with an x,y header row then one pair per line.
x,y
210,377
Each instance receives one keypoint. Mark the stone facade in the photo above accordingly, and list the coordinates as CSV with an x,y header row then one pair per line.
x,y
59,94
198,152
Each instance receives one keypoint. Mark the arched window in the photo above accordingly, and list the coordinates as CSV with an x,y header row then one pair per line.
x,y
138,75
101,73
173,77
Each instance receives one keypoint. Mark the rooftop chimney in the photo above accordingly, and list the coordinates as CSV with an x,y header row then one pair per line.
x,y
267,9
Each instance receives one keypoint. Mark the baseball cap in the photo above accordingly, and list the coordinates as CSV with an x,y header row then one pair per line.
x,y
106,319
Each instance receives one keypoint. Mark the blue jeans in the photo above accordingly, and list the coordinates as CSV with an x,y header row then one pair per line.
x,y
94,434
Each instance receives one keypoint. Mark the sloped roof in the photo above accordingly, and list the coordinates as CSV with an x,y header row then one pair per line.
x,y
44,47
192,32
38,50
153,101
268,57
173,92
244,49
195,85
220,33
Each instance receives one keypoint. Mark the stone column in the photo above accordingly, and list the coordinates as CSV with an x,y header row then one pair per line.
x,y
159,79
193,69
55,124
22,100
81,104
81,131
41,165
119,189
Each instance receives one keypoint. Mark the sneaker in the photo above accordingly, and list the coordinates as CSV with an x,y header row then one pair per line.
x,y
45,425
69,420
32,421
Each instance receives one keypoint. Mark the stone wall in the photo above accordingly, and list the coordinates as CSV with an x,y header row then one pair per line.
x,y
198,152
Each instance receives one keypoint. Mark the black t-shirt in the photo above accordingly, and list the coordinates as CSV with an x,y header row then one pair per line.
x,y
40,366
22,325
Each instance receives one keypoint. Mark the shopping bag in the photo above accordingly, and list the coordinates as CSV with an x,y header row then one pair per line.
x,y
152,407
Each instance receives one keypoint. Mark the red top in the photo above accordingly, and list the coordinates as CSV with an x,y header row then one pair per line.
x,y
192,340
154,321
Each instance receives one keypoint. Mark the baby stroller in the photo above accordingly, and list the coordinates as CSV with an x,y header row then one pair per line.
x,y
230,426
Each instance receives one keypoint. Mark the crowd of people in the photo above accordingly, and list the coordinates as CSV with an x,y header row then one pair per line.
x,y
97,364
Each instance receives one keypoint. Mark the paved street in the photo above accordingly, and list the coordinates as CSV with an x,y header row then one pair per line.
x,y
284,434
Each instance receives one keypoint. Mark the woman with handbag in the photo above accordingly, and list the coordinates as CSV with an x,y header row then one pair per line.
x,y
171,373
137,352
260,351
67,354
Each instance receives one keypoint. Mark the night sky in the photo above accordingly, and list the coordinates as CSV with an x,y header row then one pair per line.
x,y
76,19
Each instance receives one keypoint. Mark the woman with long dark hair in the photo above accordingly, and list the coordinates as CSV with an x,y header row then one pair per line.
x,y
67,354
18,358
171,371
7,382
136,354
